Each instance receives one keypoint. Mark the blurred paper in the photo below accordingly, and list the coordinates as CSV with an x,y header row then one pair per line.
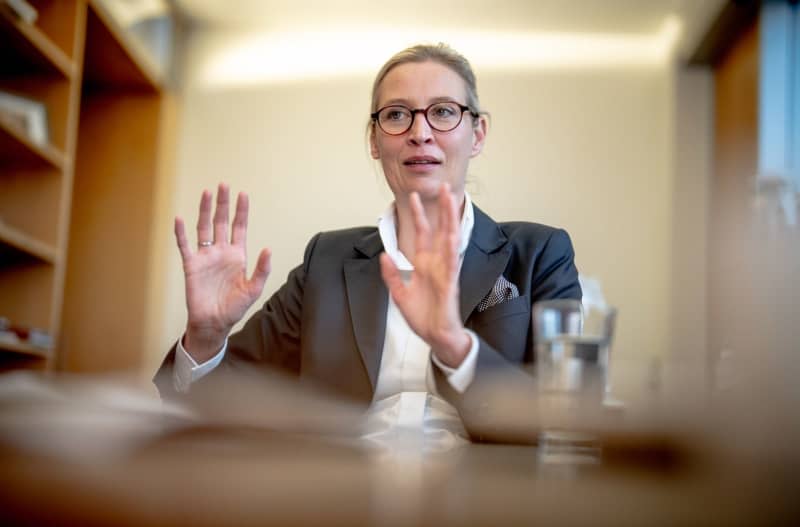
x,y
93,418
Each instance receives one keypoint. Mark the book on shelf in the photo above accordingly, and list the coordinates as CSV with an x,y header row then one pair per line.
x,y
21,9
16,334
27,115
149,24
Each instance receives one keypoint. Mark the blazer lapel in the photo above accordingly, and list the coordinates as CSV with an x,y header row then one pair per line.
x,y
484,261
368,299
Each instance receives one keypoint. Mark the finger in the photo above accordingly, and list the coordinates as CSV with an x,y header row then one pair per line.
x,y
446,236
442,233
391,277
453,228
422,229
451,212
204,218
221,214
239,231
180,237
260,273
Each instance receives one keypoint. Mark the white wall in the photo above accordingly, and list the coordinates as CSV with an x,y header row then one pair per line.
x,y
693,132
588,150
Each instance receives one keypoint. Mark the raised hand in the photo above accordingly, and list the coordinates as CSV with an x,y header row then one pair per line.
x,y
429,300
218,292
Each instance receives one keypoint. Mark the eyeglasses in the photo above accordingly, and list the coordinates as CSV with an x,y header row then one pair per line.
x,y
441,116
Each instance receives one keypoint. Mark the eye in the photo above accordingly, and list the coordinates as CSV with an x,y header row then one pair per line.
x,y
394,113
444,111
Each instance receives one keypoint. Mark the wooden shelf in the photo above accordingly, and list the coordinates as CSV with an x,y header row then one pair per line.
x,y
24,349
17,149
112,59
60,202
15,241
25,46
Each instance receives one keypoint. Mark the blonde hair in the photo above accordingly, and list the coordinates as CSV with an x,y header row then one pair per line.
x,y
440,53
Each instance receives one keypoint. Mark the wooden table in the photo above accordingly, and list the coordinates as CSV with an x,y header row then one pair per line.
x,y
253,477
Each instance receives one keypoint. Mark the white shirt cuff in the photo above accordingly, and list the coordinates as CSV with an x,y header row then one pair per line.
x,y
186,370
460,378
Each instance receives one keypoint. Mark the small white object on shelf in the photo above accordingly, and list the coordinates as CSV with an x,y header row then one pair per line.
x,y
150,24
30,115
9,337
39,338
21,9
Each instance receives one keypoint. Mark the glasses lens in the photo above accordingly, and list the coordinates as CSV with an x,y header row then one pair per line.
x,y
444,116
394,119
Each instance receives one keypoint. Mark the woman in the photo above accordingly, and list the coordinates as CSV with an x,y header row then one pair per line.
x,y
412,317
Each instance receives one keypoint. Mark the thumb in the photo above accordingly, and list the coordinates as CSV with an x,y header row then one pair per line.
x,y
260,273
391,277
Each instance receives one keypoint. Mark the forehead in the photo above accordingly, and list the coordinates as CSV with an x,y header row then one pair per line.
x,y
420,83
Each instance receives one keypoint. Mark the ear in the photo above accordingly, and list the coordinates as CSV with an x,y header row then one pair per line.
x,y
478,136
373,143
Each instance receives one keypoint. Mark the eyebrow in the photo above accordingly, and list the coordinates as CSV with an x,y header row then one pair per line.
x,y
407,103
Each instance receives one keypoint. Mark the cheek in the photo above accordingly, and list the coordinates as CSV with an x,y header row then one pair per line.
x,y
460,148
387,150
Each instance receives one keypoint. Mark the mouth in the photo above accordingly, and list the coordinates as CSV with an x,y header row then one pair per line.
x,y
421,160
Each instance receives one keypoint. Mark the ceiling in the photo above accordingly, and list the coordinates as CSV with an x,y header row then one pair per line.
x,y
573,16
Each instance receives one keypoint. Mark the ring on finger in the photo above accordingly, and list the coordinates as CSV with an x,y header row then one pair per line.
x,y
205,244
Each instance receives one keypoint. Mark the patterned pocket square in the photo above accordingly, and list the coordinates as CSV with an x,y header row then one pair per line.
x,y
502,291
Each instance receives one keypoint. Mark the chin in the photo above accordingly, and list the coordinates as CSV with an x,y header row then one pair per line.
x,y
426,185
427,188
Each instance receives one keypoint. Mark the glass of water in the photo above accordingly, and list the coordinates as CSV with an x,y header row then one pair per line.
x,y
572,356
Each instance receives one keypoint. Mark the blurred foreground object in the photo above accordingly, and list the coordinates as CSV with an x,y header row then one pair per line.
x,y
257,450
573,343
104,419
102,451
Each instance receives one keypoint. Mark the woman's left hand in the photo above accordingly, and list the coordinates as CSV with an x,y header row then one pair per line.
x,y
429,300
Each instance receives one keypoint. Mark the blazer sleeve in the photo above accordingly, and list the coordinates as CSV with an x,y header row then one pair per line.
x,y
498,401
270,337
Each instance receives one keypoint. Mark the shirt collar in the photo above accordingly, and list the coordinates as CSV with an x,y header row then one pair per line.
x,y
387,229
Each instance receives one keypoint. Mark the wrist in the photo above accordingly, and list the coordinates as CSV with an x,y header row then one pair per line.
x,y
203,345
455,349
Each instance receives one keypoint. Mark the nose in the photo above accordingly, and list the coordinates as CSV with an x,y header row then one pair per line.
x,y
420,132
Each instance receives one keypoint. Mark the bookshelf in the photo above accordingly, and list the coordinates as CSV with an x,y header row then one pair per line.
x,y
12,239
17,149
32,50
76,215
26,350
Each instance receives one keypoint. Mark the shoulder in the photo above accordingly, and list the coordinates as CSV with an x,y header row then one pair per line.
x,y
524,235
530,231
543,255
537,236
349,236
546,253
343,243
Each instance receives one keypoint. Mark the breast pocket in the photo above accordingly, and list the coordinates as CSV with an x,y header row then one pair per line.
x,y
505,327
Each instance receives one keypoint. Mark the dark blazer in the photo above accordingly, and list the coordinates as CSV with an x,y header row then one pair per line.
x,y
326,324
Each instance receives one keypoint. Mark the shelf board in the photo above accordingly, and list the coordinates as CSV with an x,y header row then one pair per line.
x,y
15,241
25,46
24,349
113,60
17,149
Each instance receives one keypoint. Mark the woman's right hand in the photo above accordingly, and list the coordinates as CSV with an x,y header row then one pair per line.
x,y
218,292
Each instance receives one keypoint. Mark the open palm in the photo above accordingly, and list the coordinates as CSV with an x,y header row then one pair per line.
x,y
429,300
218,292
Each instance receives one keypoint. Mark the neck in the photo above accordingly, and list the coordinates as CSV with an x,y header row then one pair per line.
x,y
405,220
